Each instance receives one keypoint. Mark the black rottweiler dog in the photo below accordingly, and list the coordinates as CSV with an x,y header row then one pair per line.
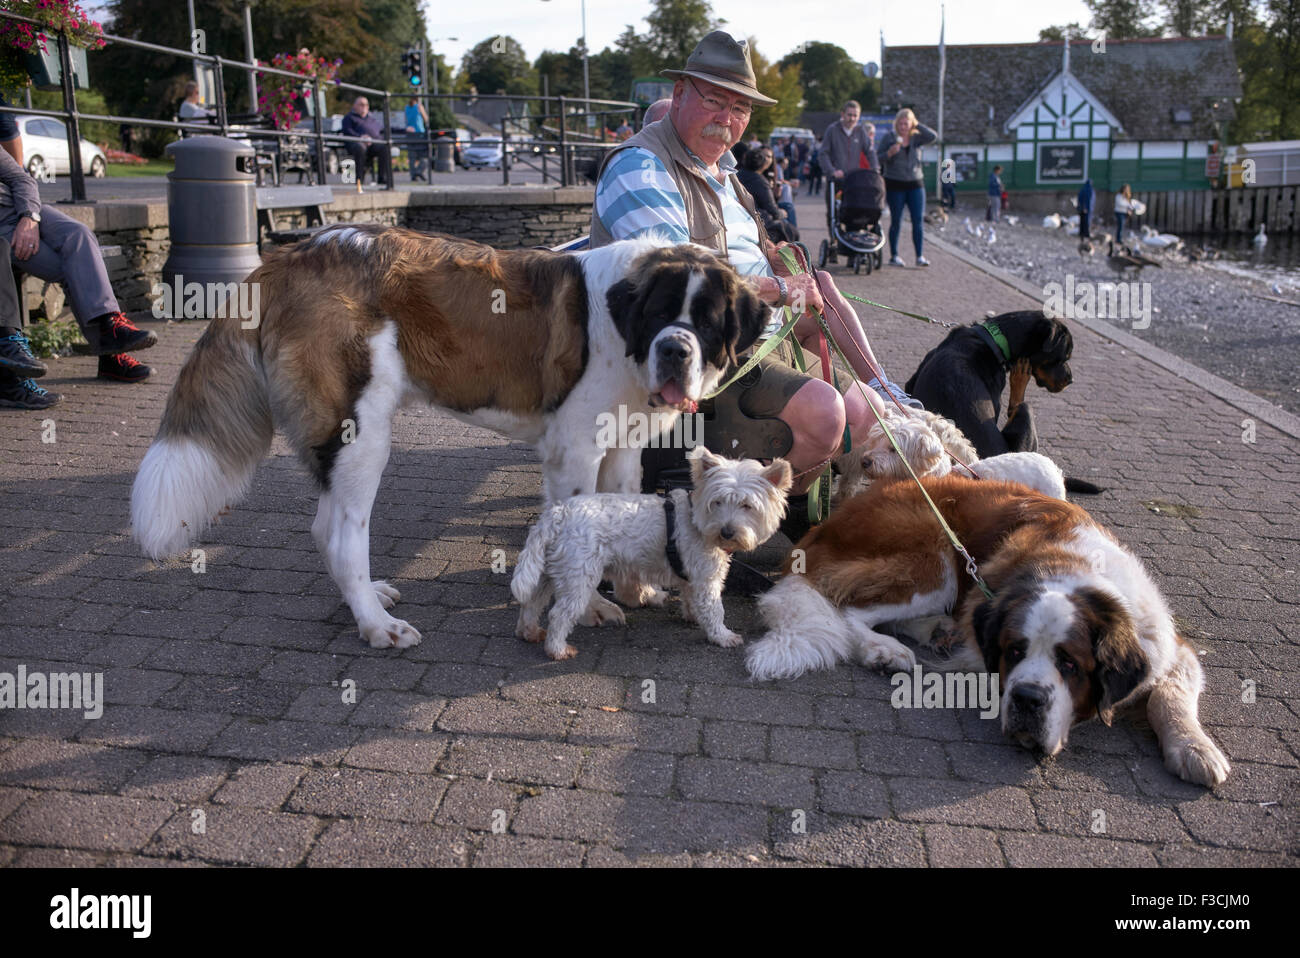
x,y
963,377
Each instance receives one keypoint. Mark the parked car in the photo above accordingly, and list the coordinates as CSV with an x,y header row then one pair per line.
x,y
45,149
485,152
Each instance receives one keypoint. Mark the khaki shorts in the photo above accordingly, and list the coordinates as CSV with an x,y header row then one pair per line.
x,y
741,421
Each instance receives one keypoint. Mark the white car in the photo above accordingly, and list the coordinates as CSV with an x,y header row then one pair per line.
x,y
484,152
45,149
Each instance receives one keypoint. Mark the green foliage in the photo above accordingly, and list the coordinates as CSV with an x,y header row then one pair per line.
x,y
393,25
829,76
781,85
499,65
676,27
88,101
53,337
1055,34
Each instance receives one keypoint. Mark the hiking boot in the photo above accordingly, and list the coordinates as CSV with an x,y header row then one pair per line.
x,y
117,334
123,369
16,354
25,394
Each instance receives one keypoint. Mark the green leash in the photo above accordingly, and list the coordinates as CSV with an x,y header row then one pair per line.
x,y
971,568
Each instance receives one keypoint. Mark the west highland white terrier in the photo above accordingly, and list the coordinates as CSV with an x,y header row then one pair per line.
x,y
646,543
926,439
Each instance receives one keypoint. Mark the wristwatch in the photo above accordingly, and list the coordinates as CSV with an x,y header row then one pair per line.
x,y
34,214
783,290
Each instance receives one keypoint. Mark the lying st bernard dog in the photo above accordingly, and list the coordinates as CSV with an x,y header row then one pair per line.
x,y
360,320
1076,627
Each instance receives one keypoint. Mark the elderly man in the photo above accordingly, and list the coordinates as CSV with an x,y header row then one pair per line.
x,y
677,178
845,144
362,123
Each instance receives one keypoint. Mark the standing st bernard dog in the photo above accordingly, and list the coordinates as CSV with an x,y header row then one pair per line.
x,y
1076,627
360,320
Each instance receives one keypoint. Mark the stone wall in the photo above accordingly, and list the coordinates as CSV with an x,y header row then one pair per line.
x,y
505,217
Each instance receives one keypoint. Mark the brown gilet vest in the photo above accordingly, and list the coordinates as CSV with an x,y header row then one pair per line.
x,y
703,207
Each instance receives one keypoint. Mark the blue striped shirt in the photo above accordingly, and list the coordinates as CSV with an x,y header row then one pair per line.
x,y
637,197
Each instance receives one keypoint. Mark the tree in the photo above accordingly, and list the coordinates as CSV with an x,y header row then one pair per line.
x,y
1122,19
1055,34
676,27
394,25
499,65
782,85
828,74
1187,18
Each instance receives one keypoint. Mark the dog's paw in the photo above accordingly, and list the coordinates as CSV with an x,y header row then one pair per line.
x,y
531,633
655,597
602,612
388,596
1197,760
561,652
727,639
886,654
391,634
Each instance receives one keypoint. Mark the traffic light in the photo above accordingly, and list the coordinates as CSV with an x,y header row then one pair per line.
x,y
415,67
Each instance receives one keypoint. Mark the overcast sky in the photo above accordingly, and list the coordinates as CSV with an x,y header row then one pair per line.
x,y
777,25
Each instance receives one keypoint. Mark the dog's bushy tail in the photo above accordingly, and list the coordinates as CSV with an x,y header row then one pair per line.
x,y
215,430
805,632
531,566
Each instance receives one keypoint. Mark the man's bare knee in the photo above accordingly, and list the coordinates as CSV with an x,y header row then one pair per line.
x,y
816,415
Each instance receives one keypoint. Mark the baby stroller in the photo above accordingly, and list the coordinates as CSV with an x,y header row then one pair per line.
x,y
855,221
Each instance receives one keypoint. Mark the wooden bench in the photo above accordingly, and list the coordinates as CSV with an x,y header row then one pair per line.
x,y
25,282
307,200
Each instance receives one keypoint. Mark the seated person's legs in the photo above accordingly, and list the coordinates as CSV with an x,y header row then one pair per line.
x,y
357,151
18,367
69,255
379,152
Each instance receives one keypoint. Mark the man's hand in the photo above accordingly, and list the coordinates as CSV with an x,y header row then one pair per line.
x,y
27,238
804,292
839,174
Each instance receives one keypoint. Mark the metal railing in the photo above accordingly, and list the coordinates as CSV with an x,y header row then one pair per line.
x,y
309,86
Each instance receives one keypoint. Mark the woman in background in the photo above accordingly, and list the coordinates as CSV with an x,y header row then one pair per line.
x,y
900,161
1123,206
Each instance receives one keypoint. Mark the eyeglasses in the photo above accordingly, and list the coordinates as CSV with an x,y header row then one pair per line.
x,y
738,111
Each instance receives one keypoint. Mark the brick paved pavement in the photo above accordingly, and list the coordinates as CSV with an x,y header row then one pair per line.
x,y
225,689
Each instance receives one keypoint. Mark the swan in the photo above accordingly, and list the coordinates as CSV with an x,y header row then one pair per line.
x,y
1261,238
1052,222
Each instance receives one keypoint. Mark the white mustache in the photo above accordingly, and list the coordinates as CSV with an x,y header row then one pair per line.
x,y
717,131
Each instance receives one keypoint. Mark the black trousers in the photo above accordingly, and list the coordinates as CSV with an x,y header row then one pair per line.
x,y
11,313
362,154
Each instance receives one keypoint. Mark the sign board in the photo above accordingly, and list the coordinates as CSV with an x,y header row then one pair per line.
x,y
966,166
1212,166
1062,162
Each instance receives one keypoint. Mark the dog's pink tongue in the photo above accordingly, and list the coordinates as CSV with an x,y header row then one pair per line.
x,y
672,392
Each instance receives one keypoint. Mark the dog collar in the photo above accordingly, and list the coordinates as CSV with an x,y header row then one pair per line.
x,y
995,339
670,546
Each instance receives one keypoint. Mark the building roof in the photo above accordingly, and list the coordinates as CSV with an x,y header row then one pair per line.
x,y
1141,81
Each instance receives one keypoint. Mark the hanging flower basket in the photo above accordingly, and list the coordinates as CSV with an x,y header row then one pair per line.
x,y
39,48
47,72
286,100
